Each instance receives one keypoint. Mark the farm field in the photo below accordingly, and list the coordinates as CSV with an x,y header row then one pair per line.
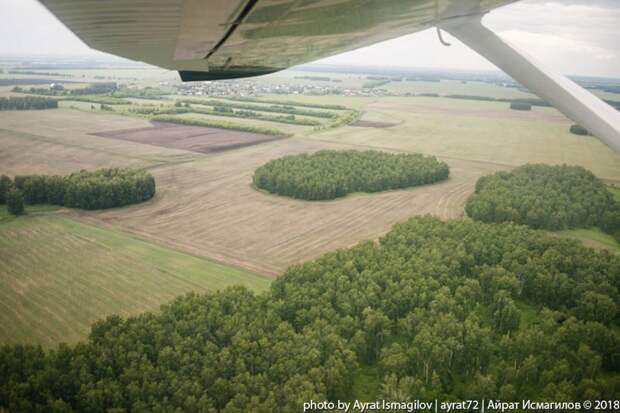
x,y
190,138
206,205
281,127
60,142
206,210
210,208
480,131
58,276
457,87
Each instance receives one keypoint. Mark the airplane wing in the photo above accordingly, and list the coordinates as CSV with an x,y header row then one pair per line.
x,y
223,39
220,39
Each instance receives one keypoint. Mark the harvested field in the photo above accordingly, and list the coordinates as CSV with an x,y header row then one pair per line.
x,y
371,124
210,208
59,142
472,108
191,138
205,204
477,131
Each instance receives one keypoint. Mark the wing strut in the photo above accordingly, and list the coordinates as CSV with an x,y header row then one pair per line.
x,y
602,120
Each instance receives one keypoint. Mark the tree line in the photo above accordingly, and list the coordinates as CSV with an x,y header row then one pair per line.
x,y
212,123
518,101
250,114
449,310
92,89
27,103
329,174
100,189
289,103
264,108
547,197
225,111
143,93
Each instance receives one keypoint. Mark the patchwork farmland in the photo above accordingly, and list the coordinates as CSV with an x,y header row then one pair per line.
x,y
191,138
210,227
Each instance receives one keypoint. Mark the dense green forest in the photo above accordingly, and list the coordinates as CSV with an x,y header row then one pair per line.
x,y
449,310
544,196
103,188
331,174
27,103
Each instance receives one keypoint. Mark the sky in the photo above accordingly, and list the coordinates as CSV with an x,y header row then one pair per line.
x,y
576,37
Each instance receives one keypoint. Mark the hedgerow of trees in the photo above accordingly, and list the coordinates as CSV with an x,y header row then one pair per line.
x,y
27,103
526,101
104,188
449,310
145,93
250,114
288,109
92,89
289,103
210,123
548,197
331,174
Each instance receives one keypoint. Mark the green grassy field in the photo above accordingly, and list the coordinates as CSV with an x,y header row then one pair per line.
x,y
456,87
58,276
593,237
31,210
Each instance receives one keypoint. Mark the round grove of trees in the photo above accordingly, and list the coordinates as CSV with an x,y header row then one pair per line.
x,y
546,197
437,310
103,188
329,174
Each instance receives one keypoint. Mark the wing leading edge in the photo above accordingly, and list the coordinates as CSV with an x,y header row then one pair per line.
x,y
223,39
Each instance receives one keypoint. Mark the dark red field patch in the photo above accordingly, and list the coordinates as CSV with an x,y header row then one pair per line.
x,y
190,138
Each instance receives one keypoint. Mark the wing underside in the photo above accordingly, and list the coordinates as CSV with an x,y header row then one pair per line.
x,y
218,39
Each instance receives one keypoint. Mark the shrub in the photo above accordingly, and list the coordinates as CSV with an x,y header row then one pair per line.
x,y
15,202
5,186
579,130
520,106
224,109
332,174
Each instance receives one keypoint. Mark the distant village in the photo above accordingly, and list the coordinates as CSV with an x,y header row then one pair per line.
x,y
258,88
